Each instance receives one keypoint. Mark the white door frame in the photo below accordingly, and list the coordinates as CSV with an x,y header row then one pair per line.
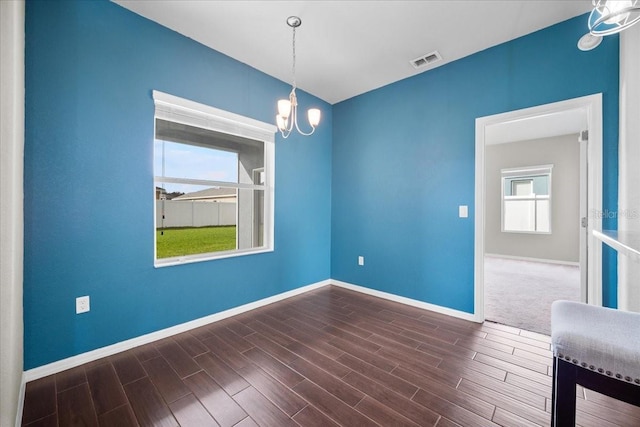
x,y
591,252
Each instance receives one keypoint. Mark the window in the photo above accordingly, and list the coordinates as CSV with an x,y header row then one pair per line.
x,y
213,182
526,199
522,187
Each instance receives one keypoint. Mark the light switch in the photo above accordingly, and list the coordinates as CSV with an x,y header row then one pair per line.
x,y
463,211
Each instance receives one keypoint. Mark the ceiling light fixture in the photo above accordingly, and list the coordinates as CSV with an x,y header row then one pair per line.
x,y
287,117
589,42
612,16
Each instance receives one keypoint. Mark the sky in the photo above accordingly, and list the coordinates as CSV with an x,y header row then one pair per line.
x,y
190,161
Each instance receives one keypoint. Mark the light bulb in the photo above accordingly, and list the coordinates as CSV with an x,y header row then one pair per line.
x,y
282,125
314,117
284,108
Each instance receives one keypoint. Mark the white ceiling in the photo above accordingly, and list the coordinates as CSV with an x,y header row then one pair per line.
x,y
566,122
345,48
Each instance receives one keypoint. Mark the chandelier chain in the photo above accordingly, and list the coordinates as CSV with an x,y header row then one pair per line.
x,y
293,67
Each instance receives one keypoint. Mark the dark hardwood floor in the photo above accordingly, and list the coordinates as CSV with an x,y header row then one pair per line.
x,y
331,357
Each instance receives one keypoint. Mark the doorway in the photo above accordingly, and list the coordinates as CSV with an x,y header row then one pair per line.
x,y
532,228
562,118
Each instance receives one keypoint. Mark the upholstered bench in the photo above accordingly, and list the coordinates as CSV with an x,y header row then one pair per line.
x,y
596,347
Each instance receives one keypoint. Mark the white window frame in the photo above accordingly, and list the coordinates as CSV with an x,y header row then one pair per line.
x,y
525,172
180,110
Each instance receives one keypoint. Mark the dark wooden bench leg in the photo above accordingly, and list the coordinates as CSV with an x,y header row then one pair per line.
x,y
563,398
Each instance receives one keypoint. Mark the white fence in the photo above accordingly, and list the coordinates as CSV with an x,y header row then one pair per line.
x,y
194,214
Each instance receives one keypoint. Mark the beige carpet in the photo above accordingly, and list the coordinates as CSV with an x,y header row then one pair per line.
x,y
519,293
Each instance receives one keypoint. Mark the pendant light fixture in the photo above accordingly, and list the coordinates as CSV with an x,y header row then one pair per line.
x,y
287,117
612,16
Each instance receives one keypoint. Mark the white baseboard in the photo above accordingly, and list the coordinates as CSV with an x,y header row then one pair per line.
x,y
523,258
23,387
408,301
80,359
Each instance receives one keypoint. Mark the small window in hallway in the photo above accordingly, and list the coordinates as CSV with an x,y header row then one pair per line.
x,y
526,199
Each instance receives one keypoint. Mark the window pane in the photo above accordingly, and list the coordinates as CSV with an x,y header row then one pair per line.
x,y
179,242
190,152
518,186
522,187
519,215
207,219
543,216
196,221
190,161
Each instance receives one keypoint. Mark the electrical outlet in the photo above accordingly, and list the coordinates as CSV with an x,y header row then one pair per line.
x,y
360,260
82,304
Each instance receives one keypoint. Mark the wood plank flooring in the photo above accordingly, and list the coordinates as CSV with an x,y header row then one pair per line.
x,y
331,357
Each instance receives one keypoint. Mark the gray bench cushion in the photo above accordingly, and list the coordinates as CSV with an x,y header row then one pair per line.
x,y
601,339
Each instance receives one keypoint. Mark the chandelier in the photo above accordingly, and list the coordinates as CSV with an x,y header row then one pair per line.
x,y
287,117
612,16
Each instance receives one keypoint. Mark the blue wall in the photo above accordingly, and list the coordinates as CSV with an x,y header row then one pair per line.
x,y
384,180
403,160
90,70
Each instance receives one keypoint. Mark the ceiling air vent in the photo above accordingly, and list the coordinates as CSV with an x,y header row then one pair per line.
x,y
426,60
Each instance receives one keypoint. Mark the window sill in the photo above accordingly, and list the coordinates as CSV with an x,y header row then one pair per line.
x,y
190,259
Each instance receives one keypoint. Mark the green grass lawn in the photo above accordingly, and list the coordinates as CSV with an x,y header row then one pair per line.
x,y
198,240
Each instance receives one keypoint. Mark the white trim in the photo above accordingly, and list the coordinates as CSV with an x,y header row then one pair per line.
x,y
626,243
185,111
270,196
594,196
80,359
407,301
12,135
543,260
628,170
478,273
20,408
223,184
591,106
